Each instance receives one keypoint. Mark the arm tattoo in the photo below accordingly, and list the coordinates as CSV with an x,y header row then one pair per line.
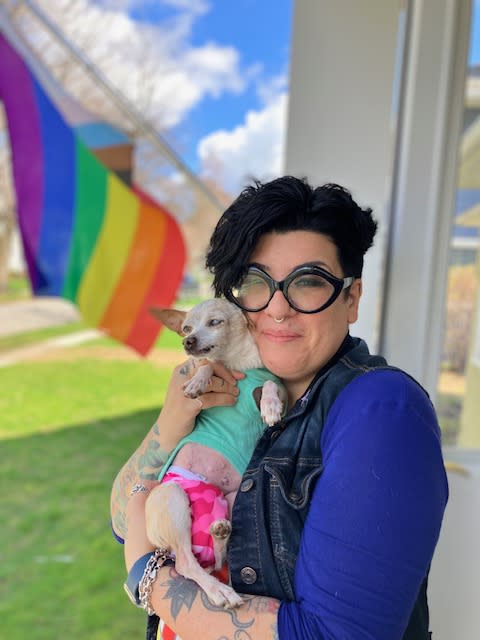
x,y
182,593
187,367
144,464
151,461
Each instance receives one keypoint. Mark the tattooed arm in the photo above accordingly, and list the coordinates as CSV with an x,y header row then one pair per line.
x,y
185,608
143,466
175,421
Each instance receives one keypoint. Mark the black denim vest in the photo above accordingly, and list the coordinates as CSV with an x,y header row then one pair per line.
x,y
276,489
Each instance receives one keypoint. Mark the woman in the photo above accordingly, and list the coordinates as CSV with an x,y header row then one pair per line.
x,y
339,511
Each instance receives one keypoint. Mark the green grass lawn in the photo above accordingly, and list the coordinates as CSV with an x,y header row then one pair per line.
x,y
66,429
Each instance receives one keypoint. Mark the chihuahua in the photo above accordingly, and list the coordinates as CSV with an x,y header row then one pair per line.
x,y
209,463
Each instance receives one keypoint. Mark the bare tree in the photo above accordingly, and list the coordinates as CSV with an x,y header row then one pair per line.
x,y
7,208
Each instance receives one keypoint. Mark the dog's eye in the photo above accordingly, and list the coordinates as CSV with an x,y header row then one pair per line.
x,y
187,329
214,322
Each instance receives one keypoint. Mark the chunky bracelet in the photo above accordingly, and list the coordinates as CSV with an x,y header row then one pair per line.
x,y
149,576
139,488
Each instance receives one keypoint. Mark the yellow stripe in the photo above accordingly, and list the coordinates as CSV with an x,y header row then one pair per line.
x,y
111,251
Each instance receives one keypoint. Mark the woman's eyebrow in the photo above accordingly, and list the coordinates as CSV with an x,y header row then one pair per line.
x,y
313,263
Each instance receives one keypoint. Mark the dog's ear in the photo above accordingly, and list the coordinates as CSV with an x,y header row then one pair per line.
x,y
171,318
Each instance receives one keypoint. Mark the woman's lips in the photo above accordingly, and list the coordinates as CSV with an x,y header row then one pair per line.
x,y
282,335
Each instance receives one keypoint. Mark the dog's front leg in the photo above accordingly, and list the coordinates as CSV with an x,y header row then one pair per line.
x,y
271,403
198,383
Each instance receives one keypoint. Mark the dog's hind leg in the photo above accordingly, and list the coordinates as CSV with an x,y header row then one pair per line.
x,y
220,531
168,519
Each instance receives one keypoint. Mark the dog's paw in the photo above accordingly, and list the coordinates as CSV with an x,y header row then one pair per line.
x,y
194,388
198,384
221,529
271,407
222,595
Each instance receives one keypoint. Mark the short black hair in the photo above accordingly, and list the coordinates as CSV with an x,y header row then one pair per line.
x,y
288,204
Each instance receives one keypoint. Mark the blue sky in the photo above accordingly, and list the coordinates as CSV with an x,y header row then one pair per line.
x,y
258,32
218,75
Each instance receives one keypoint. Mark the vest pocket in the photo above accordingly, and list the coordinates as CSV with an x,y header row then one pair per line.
x,y
295,480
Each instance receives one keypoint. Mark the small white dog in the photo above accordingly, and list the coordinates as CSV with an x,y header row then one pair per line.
x,y
212,459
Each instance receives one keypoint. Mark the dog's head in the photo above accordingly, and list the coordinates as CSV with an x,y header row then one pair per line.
x,y
214,329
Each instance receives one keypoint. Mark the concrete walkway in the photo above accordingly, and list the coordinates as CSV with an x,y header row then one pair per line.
x,y
39,313
35,313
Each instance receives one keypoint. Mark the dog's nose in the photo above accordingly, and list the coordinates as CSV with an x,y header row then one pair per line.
x,y
189,342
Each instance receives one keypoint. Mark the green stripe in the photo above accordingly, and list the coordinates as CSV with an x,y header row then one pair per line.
x,y
90,197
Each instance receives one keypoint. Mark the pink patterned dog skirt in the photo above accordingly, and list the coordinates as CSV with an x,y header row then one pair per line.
x,y
207,504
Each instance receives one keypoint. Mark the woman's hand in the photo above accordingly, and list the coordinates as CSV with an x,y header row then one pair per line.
x,y
177,417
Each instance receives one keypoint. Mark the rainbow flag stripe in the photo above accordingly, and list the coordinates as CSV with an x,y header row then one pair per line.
x,y
87,235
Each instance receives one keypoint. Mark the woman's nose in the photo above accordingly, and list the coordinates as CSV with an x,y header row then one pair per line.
x,y
278,306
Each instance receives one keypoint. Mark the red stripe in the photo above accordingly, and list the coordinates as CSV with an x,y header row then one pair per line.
x,y
163,288
168,634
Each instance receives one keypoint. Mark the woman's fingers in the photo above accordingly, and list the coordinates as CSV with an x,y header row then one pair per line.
x,y
209,400
221,371
221,390
220,385
189,367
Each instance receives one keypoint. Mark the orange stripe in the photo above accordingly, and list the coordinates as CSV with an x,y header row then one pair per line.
x,y
139,269
163,288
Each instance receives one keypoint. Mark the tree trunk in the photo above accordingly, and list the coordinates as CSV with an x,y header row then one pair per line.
x,y
6,233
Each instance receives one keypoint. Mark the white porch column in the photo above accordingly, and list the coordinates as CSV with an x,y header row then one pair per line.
x,y
339,123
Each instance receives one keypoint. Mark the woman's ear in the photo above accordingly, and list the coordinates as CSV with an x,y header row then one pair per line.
x,y
354,295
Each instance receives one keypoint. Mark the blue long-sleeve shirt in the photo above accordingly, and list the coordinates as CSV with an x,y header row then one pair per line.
x,y
375,515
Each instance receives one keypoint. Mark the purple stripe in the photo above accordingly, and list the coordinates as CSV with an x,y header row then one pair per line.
x,y
58,198
17,94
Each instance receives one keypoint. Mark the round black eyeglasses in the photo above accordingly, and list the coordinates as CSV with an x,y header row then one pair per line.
x,y
307,289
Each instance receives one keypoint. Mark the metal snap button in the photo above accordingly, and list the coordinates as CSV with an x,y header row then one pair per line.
x,y
246,485
248,575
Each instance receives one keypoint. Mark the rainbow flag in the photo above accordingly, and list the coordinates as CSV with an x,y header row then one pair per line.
x,y
87,234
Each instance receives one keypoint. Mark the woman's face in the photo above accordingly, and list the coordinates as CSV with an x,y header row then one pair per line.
x,y
298,347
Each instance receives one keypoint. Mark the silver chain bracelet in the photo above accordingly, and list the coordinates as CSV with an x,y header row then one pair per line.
x,y
149,576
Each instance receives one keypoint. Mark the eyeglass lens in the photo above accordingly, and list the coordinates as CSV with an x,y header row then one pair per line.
x,y
307,291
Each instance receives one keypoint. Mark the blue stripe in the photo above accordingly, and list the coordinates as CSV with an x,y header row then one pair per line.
x,y
96,135
58,145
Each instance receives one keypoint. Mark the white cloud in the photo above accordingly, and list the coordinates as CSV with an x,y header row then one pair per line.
x,y
268,89
253,149
156,66
165,77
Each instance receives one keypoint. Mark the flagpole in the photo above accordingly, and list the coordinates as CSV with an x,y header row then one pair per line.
x,y
124,105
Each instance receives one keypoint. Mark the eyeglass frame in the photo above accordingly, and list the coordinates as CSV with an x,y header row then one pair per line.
x,y
339,285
